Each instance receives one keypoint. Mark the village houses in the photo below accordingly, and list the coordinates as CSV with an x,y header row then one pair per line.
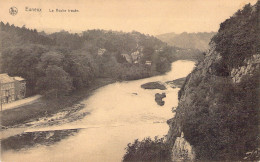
x,y
101,51
11,88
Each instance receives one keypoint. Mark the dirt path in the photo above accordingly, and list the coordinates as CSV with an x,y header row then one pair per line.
x,y
21,102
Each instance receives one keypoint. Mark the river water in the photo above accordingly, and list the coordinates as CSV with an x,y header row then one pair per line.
x,y
119,114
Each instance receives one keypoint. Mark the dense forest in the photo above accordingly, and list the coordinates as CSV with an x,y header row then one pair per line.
x,y
58,63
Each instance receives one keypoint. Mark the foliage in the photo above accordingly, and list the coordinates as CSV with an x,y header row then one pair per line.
x,y
148,150
34,62
23,61
55,82
236,38
15,36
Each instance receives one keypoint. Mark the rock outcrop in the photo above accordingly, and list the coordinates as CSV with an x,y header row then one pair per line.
x,y
218,103
153,85
250,66
182,150
177,83
159,97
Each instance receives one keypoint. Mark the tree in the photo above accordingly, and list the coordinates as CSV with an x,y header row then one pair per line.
x,y
56,82
81,67
22,61
50,58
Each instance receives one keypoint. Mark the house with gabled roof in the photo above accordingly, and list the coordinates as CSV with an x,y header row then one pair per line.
x,y
7,90
11,88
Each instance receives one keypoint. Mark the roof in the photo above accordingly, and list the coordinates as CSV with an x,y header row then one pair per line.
x,y
148,62
101,51
4,78
127,57
19,78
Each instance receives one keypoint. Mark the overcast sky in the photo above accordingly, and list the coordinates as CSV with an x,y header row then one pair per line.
x,y
146,16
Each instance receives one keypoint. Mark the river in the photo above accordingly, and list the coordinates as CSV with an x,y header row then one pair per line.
x,y
119,113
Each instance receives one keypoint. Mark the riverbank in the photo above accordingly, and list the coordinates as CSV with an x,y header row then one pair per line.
x,y
47,107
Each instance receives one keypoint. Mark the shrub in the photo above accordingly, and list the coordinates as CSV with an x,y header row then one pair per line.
x,y
148,150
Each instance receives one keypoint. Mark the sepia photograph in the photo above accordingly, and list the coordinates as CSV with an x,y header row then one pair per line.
x,y
129,80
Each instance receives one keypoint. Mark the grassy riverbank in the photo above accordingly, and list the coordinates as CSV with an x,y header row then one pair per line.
x,y
46,107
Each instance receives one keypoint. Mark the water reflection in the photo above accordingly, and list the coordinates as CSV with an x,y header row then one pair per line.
x,y
31,139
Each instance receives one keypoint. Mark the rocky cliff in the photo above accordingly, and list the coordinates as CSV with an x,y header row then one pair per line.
x,y
218,111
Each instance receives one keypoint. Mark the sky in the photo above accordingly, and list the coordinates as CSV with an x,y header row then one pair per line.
x,y
146,16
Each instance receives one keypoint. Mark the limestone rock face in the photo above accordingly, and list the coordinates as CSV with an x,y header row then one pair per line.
x,y
182,150
249,68
204,68
180,147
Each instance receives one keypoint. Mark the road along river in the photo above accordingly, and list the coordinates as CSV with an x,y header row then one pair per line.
x,y
119,113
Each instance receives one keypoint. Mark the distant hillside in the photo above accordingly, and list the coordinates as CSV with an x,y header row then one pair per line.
x,y
188,40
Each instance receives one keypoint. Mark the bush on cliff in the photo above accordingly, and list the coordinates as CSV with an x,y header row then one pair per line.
x,y
148,150
236,38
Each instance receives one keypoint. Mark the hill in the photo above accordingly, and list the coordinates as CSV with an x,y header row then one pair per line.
x,y
198,41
